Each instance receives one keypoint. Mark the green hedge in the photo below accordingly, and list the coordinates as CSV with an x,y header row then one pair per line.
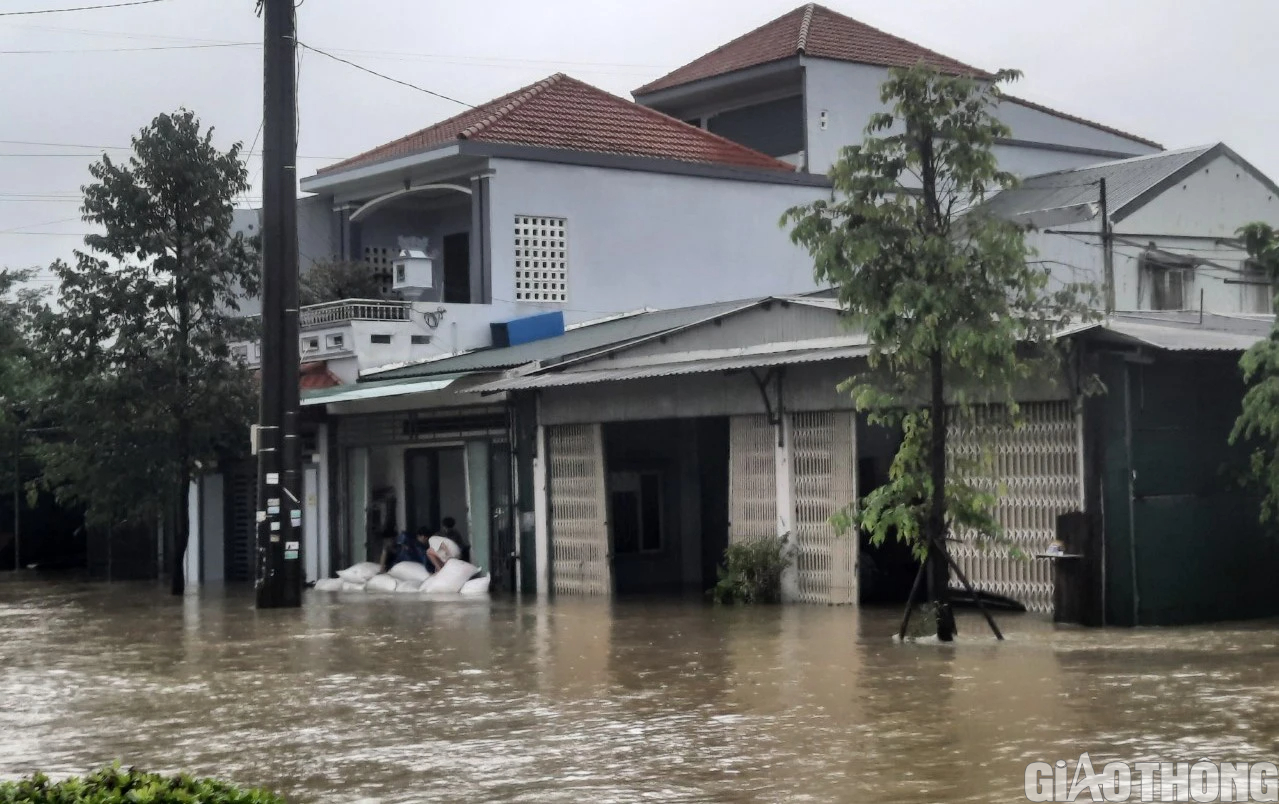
x,y
116,785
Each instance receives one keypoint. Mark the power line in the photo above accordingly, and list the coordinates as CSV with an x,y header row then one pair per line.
x,y
384,76
125,49
78,8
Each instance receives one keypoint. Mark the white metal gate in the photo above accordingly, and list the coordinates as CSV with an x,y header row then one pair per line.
x,y
752,479
1038,467
580,560
823,450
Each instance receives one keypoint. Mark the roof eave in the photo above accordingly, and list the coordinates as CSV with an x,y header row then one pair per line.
x,y
664,94
643,163
321,182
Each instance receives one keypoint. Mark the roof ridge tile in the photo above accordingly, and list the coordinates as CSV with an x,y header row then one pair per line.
x,y
804,25
519,100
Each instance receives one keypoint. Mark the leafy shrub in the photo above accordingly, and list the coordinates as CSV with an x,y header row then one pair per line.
x,y
116,785
752,572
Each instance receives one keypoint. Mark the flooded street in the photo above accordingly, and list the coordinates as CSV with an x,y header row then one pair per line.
x,y
360,698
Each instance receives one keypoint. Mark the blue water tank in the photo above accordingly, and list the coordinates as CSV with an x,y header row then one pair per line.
x,y
526,330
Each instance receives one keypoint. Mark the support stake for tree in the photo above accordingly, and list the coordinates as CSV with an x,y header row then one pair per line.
x,y
972,591
910,601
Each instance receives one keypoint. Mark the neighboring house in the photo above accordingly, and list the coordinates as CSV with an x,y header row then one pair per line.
x,y
1173,222
804,86
560,196
655,453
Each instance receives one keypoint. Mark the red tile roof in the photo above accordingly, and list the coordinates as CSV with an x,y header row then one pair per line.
x,y
811,30
316,376
564,113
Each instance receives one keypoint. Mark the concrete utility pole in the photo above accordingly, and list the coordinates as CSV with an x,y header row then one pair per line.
x,y
1107,250
279,508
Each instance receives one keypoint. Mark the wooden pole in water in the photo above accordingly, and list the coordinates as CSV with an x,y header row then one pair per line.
x,y
910,601
976,598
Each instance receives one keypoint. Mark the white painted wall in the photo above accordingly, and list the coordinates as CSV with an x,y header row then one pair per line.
x,y
1212,203
644,239
209,540
849,94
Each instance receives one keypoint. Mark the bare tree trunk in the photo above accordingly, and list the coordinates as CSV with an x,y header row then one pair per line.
x,y
935,529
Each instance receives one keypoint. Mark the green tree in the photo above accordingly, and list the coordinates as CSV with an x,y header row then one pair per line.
x,y
1258,422
143,383
955,311
338,280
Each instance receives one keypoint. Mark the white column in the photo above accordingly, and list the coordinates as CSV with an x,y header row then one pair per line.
x,y
786,505
326,546
542,513
784,433
191,561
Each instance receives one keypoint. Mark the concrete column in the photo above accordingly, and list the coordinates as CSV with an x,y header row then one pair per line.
x,y
786,506
191,561
542,510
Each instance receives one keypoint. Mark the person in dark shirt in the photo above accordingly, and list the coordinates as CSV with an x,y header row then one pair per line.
x,y
408,549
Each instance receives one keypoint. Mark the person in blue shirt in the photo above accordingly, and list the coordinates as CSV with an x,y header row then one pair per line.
x,y
408,549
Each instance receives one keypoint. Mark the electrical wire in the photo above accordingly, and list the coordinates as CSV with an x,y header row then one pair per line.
x,y
362,68
127,49
79,8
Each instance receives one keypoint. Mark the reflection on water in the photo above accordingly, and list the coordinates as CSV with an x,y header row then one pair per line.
x,y
361,698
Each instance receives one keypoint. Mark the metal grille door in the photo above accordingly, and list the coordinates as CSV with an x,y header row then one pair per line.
x,y
240,494
1038,468
579,527
823,450
752,479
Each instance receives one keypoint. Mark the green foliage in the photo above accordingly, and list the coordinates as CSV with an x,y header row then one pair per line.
x,y
116,785
334,281
19,384
752,572
142,382
956,311
1258,422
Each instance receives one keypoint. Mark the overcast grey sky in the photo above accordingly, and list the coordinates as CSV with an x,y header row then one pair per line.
x,y
1182,72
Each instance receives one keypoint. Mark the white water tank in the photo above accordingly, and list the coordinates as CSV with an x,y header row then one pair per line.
x,y
412,270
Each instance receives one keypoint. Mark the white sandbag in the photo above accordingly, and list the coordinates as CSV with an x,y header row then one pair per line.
x,y
445,547
329,585
476,586
381,583
409,571
360,573
410,587
451,577
347,586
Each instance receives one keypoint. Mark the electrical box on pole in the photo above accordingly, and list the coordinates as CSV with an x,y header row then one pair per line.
x,y
279,508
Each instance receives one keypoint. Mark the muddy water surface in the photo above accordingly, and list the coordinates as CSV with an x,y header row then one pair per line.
x,y
357,698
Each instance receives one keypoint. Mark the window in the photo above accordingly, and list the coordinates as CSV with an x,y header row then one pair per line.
x,y
310,345
541,259
636,512
379,258
1169,278
335,342
240,353
379,339
1257,290
419,340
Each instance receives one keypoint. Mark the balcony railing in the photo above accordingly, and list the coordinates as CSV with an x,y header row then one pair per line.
x,y
337,312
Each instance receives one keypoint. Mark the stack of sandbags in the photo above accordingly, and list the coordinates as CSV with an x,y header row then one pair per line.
x,y
476,586
329,585
355,577
451,577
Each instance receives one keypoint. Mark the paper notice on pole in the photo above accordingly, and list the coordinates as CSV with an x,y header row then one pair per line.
x,y
295,518
290,555
273,478
275,526
261,516
292,546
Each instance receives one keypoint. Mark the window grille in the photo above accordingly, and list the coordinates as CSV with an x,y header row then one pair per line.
x,y
541,259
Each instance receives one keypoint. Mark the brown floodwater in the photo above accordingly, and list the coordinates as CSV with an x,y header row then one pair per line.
x,y
357,698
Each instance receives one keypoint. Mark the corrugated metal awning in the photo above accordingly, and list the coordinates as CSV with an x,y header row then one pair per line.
x,y
373,390
681,365
1184,339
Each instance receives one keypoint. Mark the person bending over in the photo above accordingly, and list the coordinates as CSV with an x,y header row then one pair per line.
x,y
447,544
